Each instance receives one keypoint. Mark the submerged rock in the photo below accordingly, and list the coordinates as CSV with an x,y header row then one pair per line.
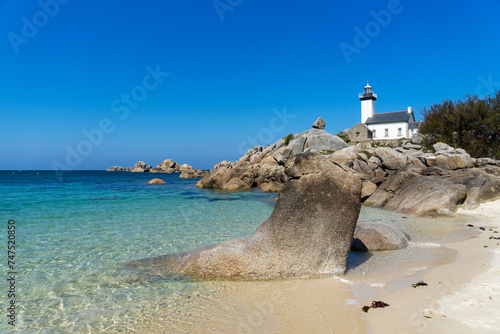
x,y
309,233
377,236
156,181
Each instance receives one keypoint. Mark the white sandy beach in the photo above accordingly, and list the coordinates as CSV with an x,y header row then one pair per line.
x,y
462,296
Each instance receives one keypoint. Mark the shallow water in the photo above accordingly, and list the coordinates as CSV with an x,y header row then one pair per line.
x,y
75,236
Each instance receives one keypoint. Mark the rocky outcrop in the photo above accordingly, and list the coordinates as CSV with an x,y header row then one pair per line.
x,y
309,233
383,170
156,181
377,236
434,183
262,167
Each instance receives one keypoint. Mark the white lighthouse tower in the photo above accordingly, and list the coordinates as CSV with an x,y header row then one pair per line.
x,y
367,103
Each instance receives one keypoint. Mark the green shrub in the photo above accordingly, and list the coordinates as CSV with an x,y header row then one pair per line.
x,y
344,138
288,138
472,124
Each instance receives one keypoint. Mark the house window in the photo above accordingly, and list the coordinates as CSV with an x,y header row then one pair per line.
x,y
400,132
357,134
411,131
374,133
386,133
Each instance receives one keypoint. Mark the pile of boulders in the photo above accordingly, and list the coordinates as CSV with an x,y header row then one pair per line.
x,y
409,179
263,167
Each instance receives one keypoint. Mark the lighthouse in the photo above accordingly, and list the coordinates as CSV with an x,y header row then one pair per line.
x,y
367,103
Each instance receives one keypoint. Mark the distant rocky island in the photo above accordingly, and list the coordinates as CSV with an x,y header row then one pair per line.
x,y
168,166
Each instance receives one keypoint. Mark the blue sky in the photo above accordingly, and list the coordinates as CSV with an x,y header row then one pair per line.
x,y
91,84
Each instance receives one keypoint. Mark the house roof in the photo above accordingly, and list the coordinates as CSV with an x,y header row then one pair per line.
x,y
389,117
415,125
363,126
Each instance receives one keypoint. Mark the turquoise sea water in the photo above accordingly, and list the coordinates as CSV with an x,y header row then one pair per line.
x,y
74,238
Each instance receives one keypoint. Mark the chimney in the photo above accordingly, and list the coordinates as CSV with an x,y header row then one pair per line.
x,y
410,110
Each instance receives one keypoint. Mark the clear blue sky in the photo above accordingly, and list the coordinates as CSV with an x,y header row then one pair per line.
x,y
69,68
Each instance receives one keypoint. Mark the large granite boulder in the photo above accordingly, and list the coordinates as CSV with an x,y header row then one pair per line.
x,y
218,178
390,158
315,140
377,236
449,161
169,164
367,189
309,233
193,174
270,177
235,184
417,138
481,186
139,167
378,199
318,140
441,148
428,196
345,156
402,176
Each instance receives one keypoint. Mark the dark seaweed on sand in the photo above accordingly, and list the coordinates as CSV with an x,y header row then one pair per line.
x,y
421,283
375,304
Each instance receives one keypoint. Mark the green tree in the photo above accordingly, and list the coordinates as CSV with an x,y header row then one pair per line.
x,y
472,124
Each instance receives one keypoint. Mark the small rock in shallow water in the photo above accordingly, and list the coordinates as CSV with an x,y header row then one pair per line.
x,y
156,181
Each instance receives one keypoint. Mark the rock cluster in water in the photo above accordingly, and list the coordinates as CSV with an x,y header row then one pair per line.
x,y
167,166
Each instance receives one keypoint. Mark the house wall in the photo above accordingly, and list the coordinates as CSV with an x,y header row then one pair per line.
x,y
363,133
393,130
415,130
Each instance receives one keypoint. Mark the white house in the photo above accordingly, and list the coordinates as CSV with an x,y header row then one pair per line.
x,y
387,125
